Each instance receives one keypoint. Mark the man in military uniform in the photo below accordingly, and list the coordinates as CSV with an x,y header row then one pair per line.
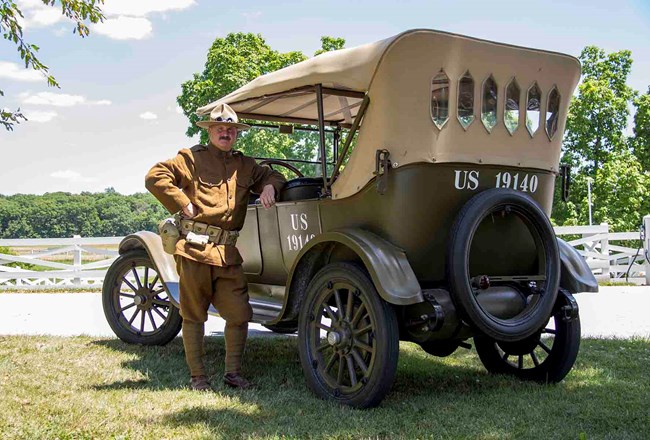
x,y
210,186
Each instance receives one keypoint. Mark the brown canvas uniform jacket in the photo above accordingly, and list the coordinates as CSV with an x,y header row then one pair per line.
x,y
218,183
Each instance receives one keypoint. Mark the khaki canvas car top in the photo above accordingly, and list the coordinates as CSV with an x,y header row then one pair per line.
x,y
435,97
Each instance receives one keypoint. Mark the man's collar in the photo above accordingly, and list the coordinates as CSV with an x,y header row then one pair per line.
x,y
218,151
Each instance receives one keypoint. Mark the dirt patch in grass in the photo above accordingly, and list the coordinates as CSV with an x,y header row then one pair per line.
x,y
102,388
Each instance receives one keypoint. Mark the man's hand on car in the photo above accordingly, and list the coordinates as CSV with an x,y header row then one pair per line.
x,y
267,197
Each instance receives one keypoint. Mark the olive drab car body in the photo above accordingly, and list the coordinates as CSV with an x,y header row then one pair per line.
x,y
433,228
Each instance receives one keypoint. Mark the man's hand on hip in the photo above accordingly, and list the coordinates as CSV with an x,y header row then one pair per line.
x,y
267,197
189,211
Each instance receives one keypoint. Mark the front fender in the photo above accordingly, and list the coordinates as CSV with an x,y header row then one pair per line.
x,y
163,262
387,265
575,274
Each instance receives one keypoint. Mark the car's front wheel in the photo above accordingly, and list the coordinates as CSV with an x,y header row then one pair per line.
x,y
348,337
135,302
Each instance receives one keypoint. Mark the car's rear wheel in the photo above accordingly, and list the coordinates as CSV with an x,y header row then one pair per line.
x,y
348,337
135,302
540,285
547,356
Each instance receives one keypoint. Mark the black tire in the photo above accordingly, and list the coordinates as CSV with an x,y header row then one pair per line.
x,y
539,308
355,364
546,357
132,283
281,328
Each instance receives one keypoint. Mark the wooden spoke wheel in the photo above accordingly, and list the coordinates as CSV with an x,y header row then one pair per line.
x,y
348,337
136,304
547,356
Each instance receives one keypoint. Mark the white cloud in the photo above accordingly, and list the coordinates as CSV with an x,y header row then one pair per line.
x,y
125,19
45,17
179,110
55,99
58,99
140,8
18,73
38,116
37,14
148,116
125,28
71,176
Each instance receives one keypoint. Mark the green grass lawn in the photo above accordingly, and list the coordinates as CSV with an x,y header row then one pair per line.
x,y
77,388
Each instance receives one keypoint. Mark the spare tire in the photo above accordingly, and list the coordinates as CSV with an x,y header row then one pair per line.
x,y
542,297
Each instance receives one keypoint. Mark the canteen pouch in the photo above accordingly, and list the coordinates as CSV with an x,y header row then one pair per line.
x,y
169,234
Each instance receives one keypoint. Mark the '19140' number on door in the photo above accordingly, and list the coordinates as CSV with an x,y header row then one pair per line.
x,y
526,183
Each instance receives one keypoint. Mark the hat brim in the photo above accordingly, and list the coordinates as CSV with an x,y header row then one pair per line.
x,y
208,124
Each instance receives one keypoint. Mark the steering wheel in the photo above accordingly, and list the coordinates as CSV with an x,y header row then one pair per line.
x,y
290,167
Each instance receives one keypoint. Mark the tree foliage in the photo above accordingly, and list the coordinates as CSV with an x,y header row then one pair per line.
x,y
79,11
598,115
55,215
640,142
231,62
330,43
596,147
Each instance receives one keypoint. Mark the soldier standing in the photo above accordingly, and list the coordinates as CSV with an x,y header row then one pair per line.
x,y
210,186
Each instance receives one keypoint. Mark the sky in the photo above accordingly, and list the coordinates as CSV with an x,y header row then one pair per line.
x,y
115,114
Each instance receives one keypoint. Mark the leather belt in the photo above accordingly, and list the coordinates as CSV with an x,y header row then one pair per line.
x,y
214,234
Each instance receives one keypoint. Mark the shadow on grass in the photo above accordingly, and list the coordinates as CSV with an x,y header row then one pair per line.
x,y
273,363
430,397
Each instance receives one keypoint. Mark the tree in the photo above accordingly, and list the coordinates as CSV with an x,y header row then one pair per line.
x,y
621,193
78,11
59,214
231,62
598,115
234,61
330,43
640,143
595,137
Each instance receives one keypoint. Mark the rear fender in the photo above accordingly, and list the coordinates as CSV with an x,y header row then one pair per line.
x,y
163,262
575,275
387,265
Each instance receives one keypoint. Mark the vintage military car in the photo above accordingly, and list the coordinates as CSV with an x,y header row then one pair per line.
x,y
434,228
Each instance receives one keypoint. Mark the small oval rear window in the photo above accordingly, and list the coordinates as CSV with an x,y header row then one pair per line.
x,y
511,112
552,113
440,99
489,96
533,107
466,100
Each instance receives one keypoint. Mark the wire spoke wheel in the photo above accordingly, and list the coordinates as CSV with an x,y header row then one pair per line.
x,y
547,356
348,337
136,304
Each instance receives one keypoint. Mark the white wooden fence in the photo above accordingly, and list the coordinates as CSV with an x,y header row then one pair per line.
x,y
98,253
600,247
605,255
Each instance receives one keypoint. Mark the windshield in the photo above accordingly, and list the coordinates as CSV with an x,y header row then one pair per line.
x,y
298,146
